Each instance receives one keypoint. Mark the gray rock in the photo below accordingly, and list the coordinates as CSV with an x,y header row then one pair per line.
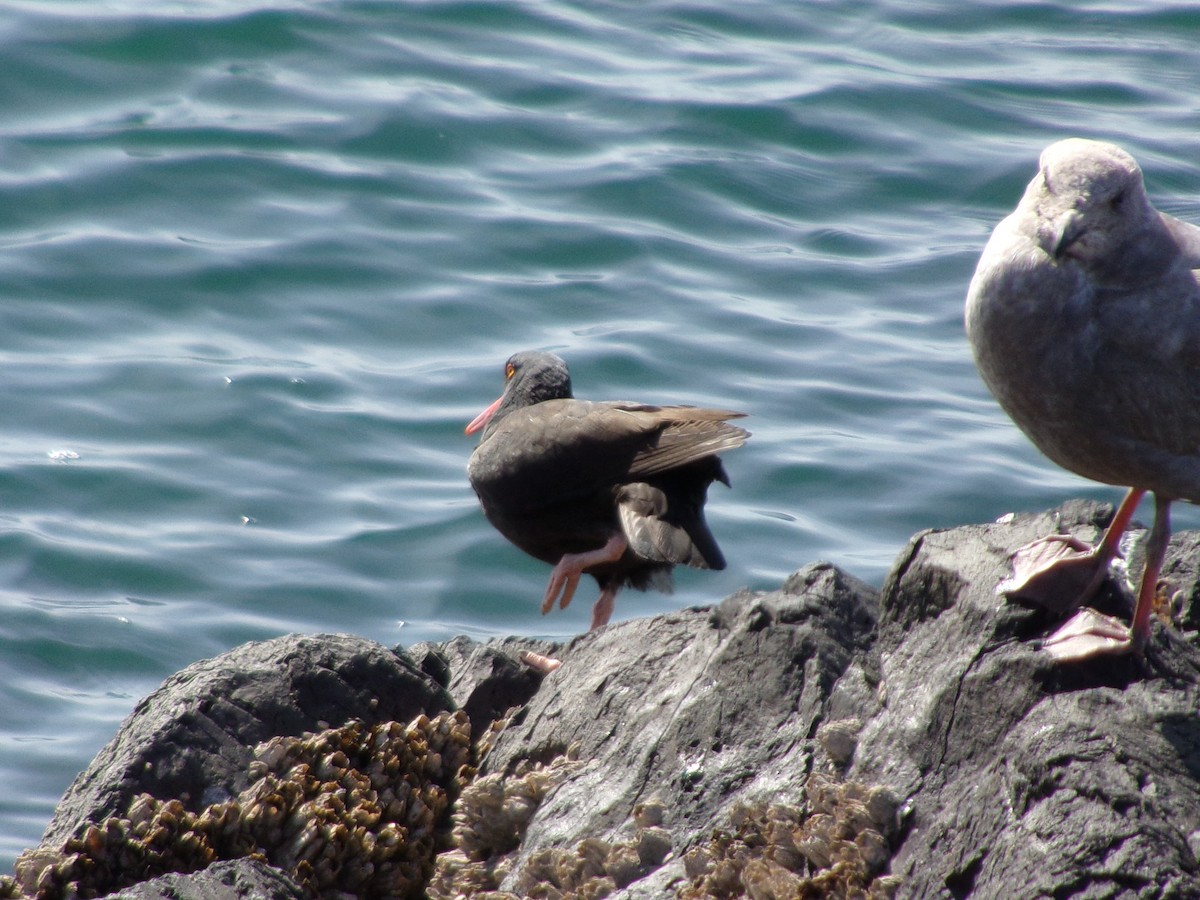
x,y
484,680
241,879
1078,780
193,738
701,709
1005,775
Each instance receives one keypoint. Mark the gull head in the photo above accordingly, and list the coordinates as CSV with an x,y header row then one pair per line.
x,y
1088,203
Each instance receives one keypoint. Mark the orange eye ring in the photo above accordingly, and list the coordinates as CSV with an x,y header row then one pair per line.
x,y
509,371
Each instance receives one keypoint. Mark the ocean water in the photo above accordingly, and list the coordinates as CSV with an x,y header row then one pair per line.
x,y
261,261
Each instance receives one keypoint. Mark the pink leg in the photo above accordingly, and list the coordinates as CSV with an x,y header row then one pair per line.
x,y
603,608
1089,633
543,664
1156,552
1061,572
565,577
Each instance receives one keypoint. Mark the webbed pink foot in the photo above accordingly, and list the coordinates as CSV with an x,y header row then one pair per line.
x,y
1088,634
1061,572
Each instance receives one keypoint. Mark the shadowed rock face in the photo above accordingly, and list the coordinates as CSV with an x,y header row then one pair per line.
x,y
823,737
193,738
234,880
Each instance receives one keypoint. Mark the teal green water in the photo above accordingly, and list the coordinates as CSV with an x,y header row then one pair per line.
x,y
260,263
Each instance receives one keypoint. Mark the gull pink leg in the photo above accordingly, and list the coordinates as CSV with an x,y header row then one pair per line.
x,y
1089,633
1106,550
565,577
1156,552
1061,572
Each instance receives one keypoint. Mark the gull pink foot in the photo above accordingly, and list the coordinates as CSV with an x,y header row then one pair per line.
x,y
1059,572
1088,634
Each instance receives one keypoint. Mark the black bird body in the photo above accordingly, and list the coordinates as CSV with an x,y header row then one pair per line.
x,y
563,478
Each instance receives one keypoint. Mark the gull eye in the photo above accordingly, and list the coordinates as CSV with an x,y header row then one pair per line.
x,y
509,371
1117,201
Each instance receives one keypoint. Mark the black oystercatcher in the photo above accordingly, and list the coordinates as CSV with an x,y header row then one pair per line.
x,y
614,490
1084,315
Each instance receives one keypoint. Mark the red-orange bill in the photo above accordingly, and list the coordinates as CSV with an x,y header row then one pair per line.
x,y
480,420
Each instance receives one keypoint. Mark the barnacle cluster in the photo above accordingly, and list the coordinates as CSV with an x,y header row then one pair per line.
x,y
839,738
490,818
595,868
361,811
490,822
356,809
836,845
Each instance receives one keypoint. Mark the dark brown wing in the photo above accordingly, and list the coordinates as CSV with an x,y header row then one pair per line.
x,y
554,451
663,518
682,434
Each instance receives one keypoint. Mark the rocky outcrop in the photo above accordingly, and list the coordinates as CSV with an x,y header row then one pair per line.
x,y
240,879
820,739
1062,780
193,738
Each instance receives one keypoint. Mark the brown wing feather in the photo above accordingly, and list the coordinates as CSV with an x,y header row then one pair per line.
x,y
558,449
677,435
660,533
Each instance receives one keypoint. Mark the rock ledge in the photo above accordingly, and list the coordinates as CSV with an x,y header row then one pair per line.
x,y
821,739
